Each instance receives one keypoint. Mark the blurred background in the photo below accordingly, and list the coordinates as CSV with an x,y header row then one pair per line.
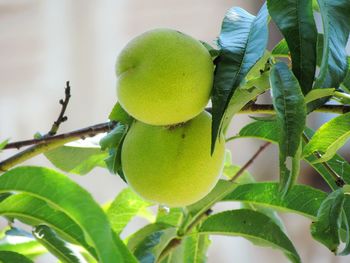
x,y
45,43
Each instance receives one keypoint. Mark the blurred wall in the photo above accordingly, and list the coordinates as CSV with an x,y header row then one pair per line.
x,y
45,43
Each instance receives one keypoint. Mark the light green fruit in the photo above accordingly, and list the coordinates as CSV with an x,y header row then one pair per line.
x,y
172,165
164,77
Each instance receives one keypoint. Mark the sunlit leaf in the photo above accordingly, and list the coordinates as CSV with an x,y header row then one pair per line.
x,y
34,211
329,138
57,247
124,207
66,195
77,157
251,224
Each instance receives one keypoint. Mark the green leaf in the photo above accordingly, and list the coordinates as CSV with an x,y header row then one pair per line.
x,y
212,51
120,115
114,160
124,207
113,141
328,223
113,138
221,189
77,157
318,93
336,27
33,211
264,130
289,104
172,216
148,243
329,138
336,163
22,244
346,82
295,20
66,195
242,41
281,49
268,131
13,257
244,94
261,66
3,144
251,224
57,247
301,199
346,221
195,248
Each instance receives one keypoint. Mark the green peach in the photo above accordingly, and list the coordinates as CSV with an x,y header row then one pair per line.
x,y
172,165
164,77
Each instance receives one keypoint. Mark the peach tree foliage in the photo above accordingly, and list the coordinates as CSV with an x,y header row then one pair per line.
x,y
304,72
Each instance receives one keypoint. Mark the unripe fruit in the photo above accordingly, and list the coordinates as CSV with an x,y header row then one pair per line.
x,y
172,165
164,77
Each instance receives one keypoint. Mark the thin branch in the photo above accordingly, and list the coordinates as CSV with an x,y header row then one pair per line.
x,y
80,134
53,142
252,108
61,118
268,109
249,162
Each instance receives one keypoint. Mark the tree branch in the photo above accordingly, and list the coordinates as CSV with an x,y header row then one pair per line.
x,y
61,118
253,108
49,143
249,162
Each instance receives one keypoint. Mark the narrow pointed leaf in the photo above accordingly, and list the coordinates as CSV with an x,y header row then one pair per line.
x,y
318,93
120,115
281,49
33,211
336,27
268,131
250,224
329,138
242,41
77,203
3,144
77,158
22,244
346,222
295,20
289,104
13,257
243,95
148,243
195,248
327,226
302,199
124,207
57,247
346,82
172,216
